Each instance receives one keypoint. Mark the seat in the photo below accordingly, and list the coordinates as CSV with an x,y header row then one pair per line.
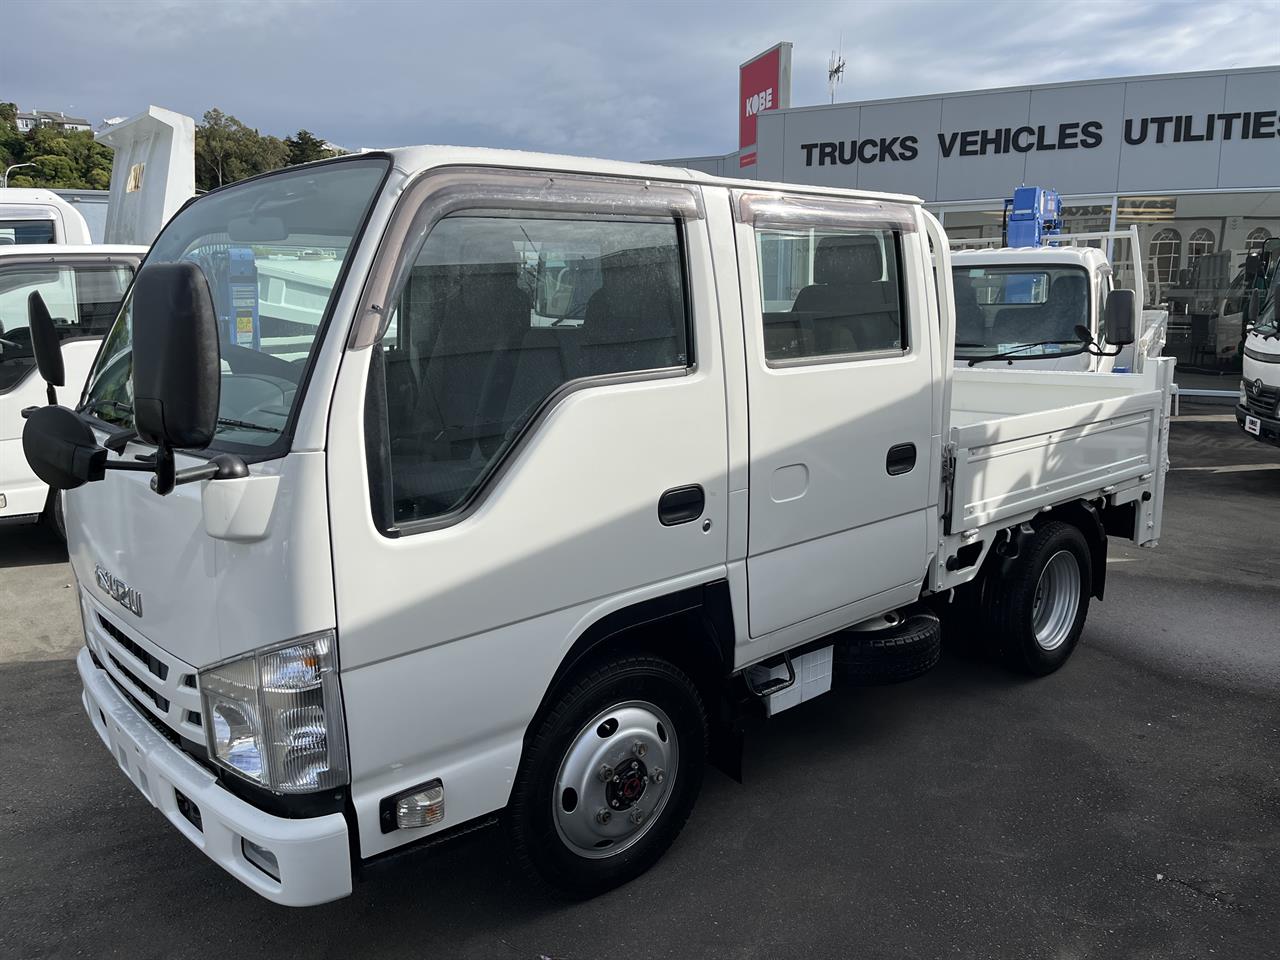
x,y
853,306
633,321
971,321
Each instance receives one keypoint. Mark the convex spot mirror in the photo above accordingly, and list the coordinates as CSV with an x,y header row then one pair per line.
x,y
1121,310
176,362
61,448
44,341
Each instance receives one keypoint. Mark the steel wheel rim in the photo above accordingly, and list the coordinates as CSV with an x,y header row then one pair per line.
x,y
636,741
1053,613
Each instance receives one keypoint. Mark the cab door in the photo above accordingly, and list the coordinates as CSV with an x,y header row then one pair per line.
x,y
842,421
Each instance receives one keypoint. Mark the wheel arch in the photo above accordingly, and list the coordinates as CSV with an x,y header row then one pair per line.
x,y
693,628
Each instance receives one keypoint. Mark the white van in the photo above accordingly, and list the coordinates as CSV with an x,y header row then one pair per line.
x,y
509,534
82,286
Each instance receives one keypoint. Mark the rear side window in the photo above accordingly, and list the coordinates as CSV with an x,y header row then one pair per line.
x,y
829,292
498,314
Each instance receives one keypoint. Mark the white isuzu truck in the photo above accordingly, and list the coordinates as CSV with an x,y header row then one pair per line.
x,y
1034,305
581,468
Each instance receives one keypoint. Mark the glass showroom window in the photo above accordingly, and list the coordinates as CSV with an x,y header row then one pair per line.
x,y
1166,251
1257,237
1200,243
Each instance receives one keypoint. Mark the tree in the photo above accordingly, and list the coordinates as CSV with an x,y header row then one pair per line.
x,y
304,146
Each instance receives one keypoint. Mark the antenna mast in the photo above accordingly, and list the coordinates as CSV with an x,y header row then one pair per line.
x,y
835,69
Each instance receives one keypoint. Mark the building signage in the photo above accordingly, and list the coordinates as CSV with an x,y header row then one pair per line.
x,y
1073,135
764,83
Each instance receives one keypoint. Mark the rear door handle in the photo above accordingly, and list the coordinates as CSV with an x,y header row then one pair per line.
x,y
681,504
901,459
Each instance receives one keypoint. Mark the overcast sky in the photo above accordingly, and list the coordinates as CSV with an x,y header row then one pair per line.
x,y
633,81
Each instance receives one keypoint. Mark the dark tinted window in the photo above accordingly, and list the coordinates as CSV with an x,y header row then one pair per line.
x,y
497,314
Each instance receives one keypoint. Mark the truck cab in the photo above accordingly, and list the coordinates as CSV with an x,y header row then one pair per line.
x,y
1258,411
33,216
1026,306
568,466
82,286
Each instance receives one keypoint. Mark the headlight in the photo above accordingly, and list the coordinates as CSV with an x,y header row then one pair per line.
x,y
275,716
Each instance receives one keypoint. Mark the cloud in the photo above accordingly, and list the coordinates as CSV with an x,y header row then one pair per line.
x,y
632,80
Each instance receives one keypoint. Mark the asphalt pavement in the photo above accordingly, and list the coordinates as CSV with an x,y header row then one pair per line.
x,y
1127,806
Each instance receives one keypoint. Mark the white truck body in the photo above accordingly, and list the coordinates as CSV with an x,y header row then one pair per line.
x,y
32,216
837,478
82,285
1077,263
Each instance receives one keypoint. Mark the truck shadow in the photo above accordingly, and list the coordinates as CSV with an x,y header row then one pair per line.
x,y
26,545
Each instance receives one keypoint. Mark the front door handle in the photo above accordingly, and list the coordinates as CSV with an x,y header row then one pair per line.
x,y
681,504
901,459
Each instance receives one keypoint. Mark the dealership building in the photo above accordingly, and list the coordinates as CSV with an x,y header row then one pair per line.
x,y
1193,159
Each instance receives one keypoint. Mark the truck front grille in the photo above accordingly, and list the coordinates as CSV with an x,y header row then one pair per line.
x,y
160,686
1261,401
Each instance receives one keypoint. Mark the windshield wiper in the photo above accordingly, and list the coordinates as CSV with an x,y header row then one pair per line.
x,y
245,425
963,343
1016,352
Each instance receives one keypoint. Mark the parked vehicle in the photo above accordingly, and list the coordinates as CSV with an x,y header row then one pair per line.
x,y
492,546
29,216
1027,305
1258,412
82,285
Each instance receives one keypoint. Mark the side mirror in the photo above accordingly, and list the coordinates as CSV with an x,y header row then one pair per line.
x,y
1251,307
45,344
176,362
1083,333
1253,265
61,448
1121,316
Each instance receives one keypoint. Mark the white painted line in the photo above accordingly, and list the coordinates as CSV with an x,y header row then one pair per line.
x,y
1234,468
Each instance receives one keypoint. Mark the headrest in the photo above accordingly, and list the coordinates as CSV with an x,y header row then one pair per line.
x,y
851,259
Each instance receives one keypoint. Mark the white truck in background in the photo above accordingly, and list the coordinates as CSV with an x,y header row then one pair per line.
x,y
1258,411
81,284
34,216
491,548
1026,305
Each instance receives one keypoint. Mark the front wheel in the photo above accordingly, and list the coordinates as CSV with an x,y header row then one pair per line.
x,y
1037,609
610,775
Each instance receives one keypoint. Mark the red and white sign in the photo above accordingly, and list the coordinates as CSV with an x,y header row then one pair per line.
x,y
764,83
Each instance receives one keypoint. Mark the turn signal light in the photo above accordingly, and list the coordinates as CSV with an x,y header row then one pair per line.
x,y
421,807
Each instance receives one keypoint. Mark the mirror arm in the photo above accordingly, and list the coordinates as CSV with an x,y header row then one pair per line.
x,y
223,466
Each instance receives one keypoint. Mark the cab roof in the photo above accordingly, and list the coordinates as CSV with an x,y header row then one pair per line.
x,y
412,160
1089,258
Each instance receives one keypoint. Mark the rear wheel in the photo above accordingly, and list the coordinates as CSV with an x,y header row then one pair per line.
x,y
1036,610
610,776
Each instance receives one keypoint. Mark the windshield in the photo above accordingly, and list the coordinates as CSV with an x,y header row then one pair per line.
x,y
1007,307
273,251
83,299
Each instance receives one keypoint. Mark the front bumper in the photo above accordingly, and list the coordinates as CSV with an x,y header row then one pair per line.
x,y
1270,426
313,854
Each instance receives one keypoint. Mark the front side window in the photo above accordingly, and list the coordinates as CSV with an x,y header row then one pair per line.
x,y
999,309
83,300
497,314
829,292
273,251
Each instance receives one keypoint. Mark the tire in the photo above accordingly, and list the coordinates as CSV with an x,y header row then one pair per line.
x,y
553,821
1035,609
891,655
